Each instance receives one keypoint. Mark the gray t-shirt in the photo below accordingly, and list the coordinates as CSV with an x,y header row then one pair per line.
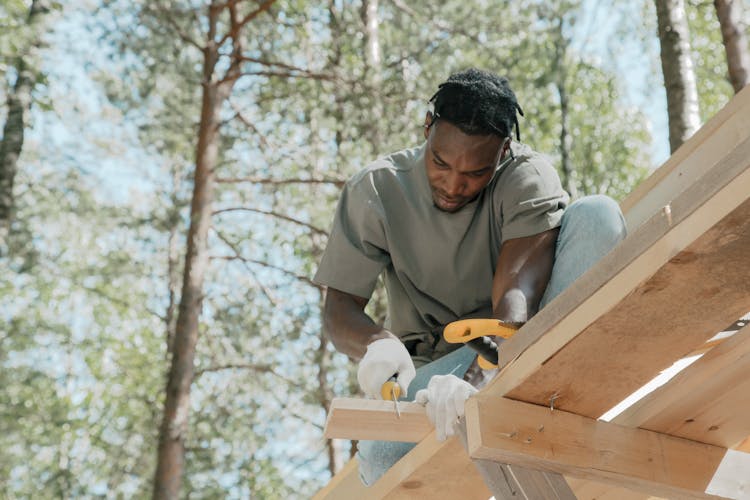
x,y
438,267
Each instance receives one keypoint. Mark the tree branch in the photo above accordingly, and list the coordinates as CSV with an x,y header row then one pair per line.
x,y
312,228
264,7
248,366
175,27
270,266
431,18
247,123
277,182
237,254
272,64
288,74
119,301
285,404
237,25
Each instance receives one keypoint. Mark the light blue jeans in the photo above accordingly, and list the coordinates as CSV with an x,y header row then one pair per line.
x,y
591,227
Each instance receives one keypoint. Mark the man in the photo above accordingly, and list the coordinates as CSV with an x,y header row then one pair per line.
x,y
467,225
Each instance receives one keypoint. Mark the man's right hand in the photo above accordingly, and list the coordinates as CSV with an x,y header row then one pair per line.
x,y
385,358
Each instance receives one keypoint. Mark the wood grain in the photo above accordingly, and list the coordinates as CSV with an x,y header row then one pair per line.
x,y
535,437
376,420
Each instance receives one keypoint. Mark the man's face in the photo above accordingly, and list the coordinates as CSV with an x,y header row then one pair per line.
x,y
459,166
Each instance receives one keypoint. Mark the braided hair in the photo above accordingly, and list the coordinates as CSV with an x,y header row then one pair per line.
x,y
478,103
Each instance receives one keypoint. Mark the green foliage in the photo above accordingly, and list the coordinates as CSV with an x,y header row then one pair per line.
x,y
709,57
21,38
81,354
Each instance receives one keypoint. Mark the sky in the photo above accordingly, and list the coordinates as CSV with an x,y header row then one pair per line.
x,y
592,38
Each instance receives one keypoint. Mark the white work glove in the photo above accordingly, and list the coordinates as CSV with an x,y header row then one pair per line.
x,y
384,359
444,398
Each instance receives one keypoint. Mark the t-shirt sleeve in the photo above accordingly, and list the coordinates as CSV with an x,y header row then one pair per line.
x,y
533,199
356,252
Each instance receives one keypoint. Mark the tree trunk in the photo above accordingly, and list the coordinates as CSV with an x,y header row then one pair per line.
x,y
19,103
561,49
729,13
325,395
171,452
173,259
569,180
373,69
679,76
335,461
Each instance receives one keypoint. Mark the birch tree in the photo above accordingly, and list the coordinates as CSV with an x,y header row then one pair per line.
x,y
678,71
729,13
18,105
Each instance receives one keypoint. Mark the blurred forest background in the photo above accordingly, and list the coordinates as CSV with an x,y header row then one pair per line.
x,y
169,171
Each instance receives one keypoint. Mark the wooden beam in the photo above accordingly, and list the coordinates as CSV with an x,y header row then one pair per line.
x,y
345,485
514,482
376,420
709,401
722,133
533,436
660,294
433,469
585,489
694,390
352,418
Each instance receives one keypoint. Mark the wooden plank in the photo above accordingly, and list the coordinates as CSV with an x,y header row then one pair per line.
x,y
345,485
585,489
534,484
352,418
376,420
722,133
684,273
535,437
733,417
709,401
433,469
513,482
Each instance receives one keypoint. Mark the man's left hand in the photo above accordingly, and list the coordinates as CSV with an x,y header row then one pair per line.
x,y
444,398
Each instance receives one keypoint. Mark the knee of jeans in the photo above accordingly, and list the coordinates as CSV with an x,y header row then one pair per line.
x,y
598,215
376,457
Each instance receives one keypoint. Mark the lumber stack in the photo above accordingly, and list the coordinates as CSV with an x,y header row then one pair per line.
x,y
681,276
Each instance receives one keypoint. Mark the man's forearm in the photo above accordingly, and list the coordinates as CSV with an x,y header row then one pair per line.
x,y
347,324
521,276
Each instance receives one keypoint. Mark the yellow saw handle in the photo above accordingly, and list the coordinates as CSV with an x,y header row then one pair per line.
x,y
390,390
462,331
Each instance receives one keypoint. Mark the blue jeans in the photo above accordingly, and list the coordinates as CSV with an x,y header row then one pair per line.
x,y
590,228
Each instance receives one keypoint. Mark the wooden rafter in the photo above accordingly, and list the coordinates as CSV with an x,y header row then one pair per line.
x,y
709,401
659,295
557,441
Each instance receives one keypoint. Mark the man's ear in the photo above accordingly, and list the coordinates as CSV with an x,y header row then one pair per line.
x,y
427,124
506,147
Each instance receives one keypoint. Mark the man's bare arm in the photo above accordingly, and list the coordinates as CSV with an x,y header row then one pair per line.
x,y
523,270
347,324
